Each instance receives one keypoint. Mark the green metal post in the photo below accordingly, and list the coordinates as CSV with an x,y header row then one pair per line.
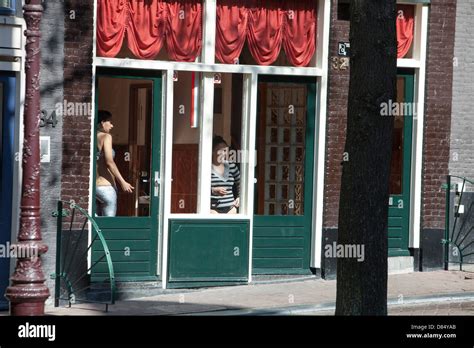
x,y
57,280
446,229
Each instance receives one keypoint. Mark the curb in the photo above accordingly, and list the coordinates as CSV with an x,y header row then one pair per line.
x,y
305,309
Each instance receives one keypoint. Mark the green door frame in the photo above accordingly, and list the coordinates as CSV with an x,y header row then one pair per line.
x,y
151,222
399,210
304,221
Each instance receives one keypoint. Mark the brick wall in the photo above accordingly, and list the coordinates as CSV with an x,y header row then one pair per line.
x,y
462,122
77,89
437,116
336,121
438,111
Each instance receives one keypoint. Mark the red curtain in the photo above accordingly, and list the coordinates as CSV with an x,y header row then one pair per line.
x,y
184,35
267,26
405,28
112,18
232,21
299,40
265,31
148,25
146,28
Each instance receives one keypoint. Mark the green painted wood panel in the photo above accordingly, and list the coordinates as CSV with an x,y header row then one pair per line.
x,y
271,252
281,242
124,267
284,232
127,234
118,256
208,251
282,262
126,245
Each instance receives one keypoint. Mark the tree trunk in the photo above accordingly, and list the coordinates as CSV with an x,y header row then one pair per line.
x,y
363,206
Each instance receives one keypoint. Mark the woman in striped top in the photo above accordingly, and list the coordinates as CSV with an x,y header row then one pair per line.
x,y
225,180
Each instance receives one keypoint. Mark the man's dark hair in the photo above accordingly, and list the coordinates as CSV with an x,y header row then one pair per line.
x,y
217,140
104,116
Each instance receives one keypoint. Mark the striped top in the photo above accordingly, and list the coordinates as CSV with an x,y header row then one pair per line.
x,y
231,181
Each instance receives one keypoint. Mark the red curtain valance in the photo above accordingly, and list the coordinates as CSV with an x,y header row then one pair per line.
x,y
266,25
148,25
405,28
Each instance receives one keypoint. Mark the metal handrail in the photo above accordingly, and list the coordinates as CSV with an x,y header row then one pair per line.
x,y
450,237
63,270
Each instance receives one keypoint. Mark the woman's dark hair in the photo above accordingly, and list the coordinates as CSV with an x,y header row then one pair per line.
x,y
217,140
104,116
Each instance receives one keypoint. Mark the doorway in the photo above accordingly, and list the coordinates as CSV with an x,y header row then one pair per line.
x,y
133,100
284,175
400,175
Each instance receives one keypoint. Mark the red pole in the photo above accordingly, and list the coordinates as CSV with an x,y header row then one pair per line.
x,y
28,292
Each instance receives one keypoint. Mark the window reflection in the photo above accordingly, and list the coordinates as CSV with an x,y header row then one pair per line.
x,y
227,153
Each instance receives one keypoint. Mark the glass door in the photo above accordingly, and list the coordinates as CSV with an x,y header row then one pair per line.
x,y
284,175
127,170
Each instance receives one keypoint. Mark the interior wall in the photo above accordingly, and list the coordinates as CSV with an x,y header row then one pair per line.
x,y
222,121
114,95
182,131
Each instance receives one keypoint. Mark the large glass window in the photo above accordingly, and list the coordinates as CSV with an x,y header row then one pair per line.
x,y
124,174
226,150
185,168
227,153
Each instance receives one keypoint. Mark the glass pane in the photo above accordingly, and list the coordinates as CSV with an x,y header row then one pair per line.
x,y
124,173
227,152
396,174
281,142
185,166
1,131
5,3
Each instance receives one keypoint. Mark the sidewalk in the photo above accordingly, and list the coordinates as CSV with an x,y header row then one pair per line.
x,y
282,298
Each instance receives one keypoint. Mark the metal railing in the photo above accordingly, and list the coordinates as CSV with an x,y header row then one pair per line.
x,y
78,255
459,229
